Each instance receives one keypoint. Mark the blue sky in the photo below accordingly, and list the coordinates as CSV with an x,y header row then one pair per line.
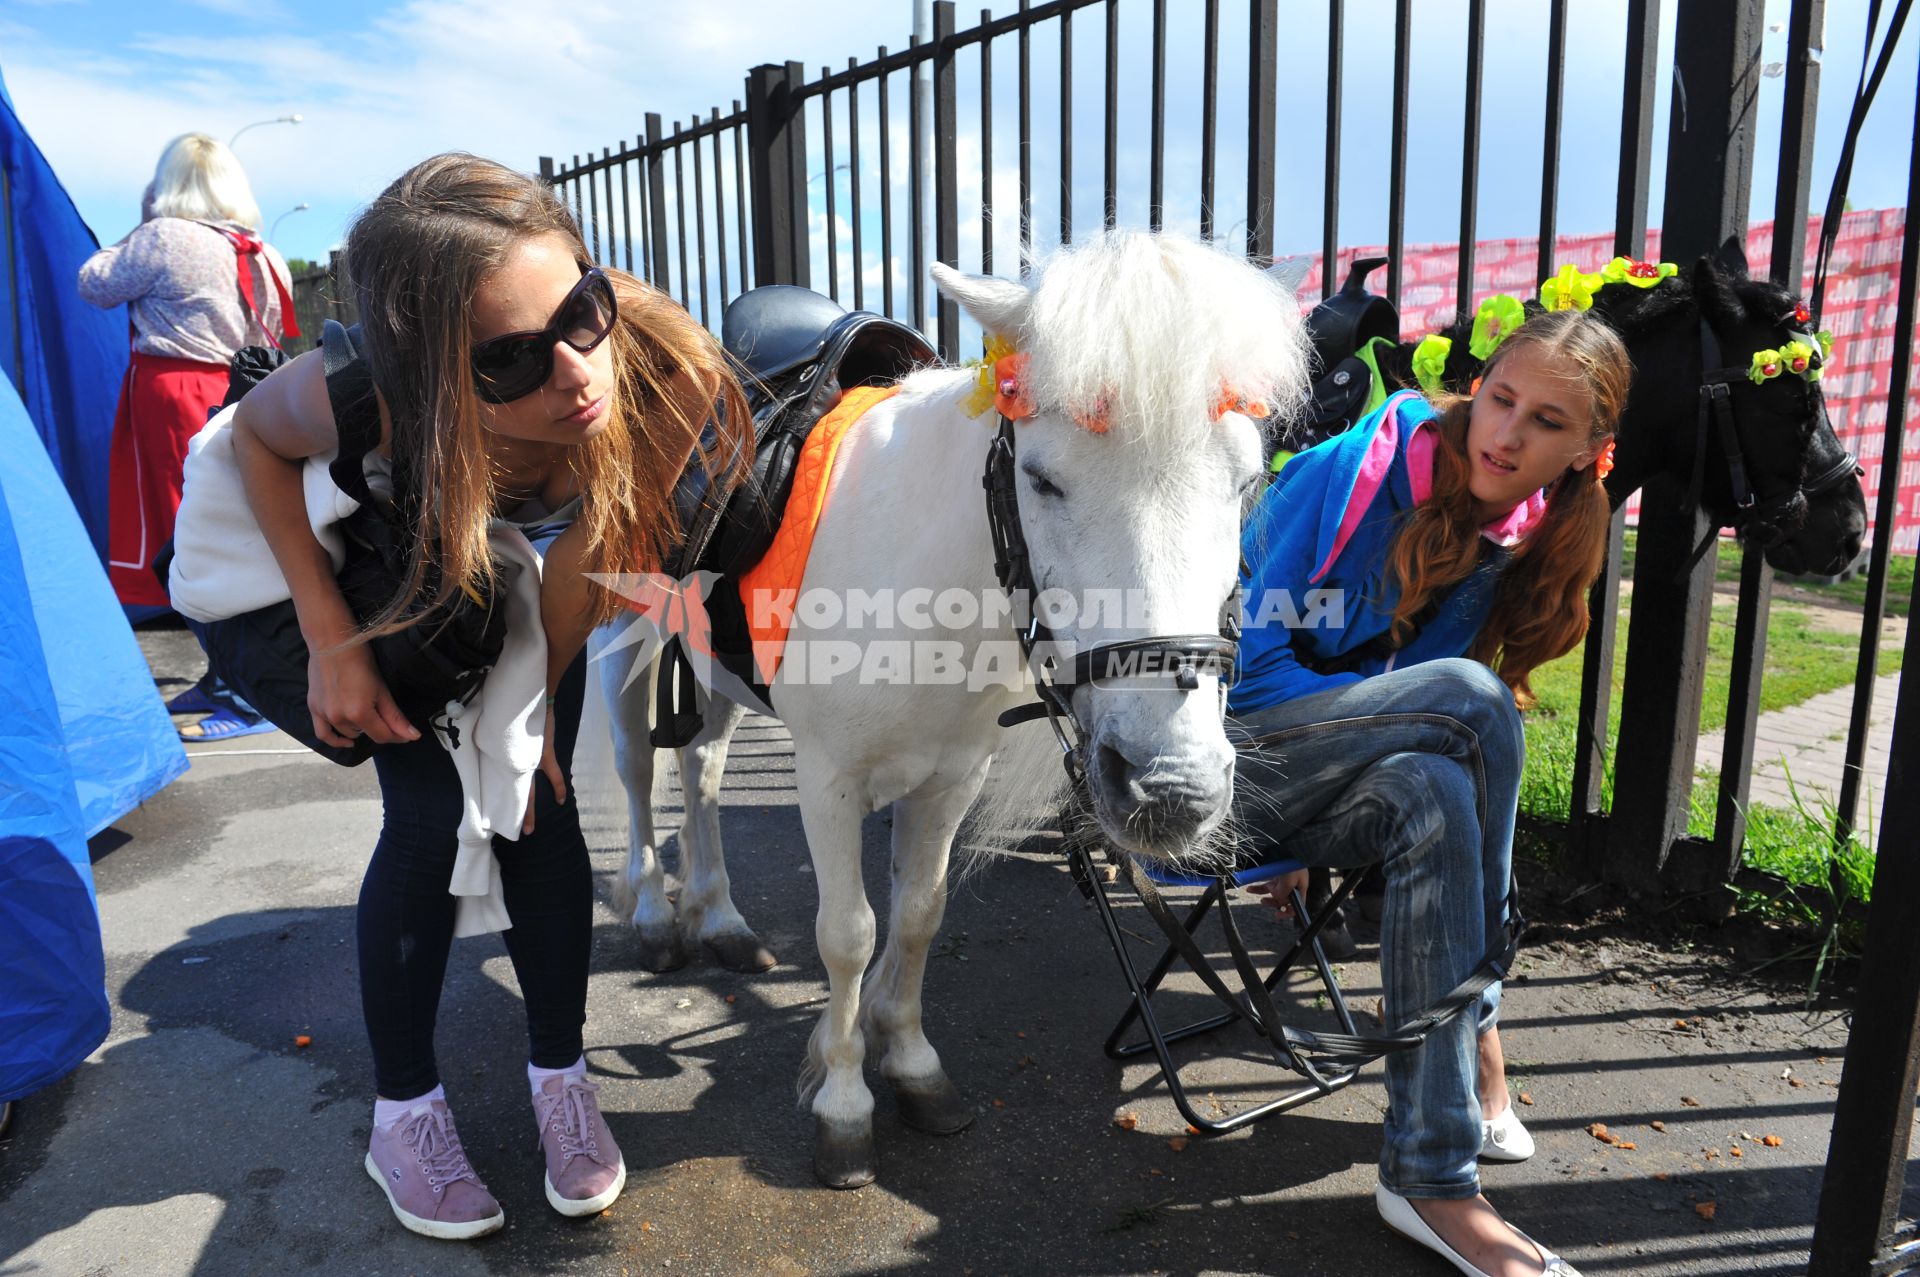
x,y
103,84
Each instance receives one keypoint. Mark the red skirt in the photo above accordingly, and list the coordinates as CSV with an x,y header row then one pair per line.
x,y
163,403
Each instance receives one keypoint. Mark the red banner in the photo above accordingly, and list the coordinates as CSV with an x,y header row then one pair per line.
x,y
1862,291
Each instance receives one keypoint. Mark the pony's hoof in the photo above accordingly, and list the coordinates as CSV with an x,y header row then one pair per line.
x,y
661,952
742,952
843,1153
935,1107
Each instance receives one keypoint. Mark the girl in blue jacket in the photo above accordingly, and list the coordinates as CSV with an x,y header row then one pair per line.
x,y
1406,578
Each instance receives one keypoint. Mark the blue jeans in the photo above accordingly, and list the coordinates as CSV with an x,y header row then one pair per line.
x,y
1417,769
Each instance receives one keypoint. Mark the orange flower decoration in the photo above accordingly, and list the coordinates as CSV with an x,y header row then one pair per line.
x,y
1010,395
1603,464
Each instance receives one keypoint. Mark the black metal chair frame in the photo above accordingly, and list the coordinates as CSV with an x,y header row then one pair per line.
x,y
1160,1041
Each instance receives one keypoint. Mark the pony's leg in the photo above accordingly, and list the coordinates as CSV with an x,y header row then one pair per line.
x,y
707,911
924,824
843,930
640,894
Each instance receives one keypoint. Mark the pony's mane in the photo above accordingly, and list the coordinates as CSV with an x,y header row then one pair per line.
x,y
1151,328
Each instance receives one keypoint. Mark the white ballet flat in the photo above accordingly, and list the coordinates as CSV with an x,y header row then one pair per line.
x,y
1504,1139
1402,1218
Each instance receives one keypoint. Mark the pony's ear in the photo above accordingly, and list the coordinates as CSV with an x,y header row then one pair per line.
x,y
998,305
1714,285
1731,257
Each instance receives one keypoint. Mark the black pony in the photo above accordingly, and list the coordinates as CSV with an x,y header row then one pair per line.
x,y
1786,485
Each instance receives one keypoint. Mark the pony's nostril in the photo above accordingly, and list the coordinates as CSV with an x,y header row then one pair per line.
x,y
1120,774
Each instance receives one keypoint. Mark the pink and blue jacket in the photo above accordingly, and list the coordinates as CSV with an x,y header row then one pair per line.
x,y
1316,594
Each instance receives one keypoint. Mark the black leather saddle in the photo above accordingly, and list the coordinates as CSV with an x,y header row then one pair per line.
x,y
797,353
1339,328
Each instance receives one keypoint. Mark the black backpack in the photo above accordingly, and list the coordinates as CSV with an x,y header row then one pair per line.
x,y
441,658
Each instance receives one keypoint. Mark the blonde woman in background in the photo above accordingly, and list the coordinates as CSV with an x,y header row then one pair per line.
x,y
199,284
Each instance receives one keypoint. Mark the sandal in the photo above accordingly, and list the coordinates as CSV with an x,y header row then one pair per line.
x,y
192,701
223,724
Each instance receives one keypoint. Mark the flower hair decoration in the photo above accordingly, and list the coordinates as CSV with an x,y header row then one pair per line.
x,y
1624,270
1603,464
1430,363
1494,322
1570,289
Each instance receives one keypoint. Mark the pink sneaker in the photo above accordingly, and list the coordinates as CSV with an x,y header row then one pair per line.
x,y
419,1164
585,1171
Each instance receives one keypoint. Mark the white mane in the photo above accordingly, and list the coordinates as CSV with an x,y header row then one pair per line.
x,y
1155,326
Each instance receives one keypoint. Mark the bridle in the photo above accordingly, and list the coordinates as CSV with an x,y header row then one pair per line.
x,y
1180,657
1762,521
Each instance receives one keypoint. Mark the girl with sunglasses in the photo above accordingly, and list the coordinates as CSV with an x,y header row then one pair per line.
x,y
1455,543
514,380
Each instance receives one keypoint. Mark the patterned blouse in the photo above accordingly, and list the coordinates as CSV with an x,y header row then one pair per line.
x,y
179,281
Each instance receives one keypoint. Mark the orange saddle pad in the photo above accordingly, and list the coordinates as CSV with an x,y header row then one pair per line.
x,y
769,589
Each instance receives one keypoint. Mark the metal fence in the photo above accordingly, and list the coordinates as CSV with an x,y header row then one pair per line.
x,y
319,294
726,201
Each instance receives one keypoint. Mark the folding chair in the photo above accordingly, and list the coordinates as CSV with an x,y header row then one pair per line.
x,y
1294,1049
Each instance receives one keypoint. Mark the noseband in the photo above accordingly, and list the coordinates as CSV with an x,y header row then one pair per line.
x,y
1762,522
1180,657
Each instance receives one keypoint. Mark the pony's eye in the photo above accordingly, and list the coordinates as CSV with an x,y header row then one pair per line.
x,y
1043,486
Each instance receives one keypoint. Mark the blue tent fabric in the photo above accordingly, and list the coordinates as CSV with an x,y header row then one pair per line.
x,y
53,1001
65,358
114,734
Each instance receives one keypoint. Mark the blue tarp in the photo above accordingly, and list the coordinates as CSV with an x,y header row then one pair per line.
x,y
84,737
53,1000
65,358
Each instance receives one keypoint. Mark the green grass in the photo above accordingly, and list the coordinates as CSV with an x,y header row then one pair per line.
x,y
1851,593
1804,658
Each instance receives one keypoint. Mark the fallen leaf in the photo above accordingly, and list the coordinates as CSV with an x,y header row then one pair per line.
x,y
1679,1024
1657,1125
1525,1098
1178,1143
1600,1132
1734,1149
1155,1170
1625,1144
1773,1141
1192,1129
1795,1082
1705,1210
1690,1102
732,998
301,1039
999,1104
1126,1121
1019,1033
1712,1153
1660,1175
646,1226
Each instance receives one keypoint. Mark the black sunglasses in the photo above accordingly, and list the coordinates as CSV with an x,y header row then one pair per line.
x,y
510,367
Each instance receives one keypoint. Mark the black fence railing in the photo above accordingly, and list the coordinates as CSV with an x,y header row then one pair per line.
x,y
319,294
755,196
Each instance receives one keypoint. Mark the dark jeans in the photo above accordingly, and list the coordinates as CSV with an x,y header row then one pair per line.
x,y
406,913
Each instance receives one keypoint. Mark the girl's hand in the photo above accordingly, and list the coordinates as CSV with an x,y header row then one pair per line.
x,y
348,700
549,764
1279,892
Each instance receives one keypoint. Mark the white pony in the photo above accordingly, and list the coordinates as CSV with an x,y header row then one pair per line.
x,y
1131,473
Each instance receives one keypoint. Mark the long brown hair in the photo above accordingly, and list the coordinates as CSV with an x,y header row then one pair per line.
x,y
1540,604
415,258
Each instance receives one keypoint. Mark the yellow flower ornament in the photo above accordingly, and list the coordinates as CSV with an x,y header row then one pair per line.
x,y
1624,270
1430,363
1570,289
1493,323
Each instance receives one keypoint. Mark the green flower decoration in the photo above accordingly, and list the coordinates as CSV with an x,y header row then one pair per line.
x,y
1494,322
1624,270
1798,358
1825,338
1430,363
1570,289
1766,365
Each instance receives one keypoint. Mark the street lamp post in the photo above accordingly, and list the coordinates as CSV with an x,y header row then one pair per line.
x,y
295,118
301,207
